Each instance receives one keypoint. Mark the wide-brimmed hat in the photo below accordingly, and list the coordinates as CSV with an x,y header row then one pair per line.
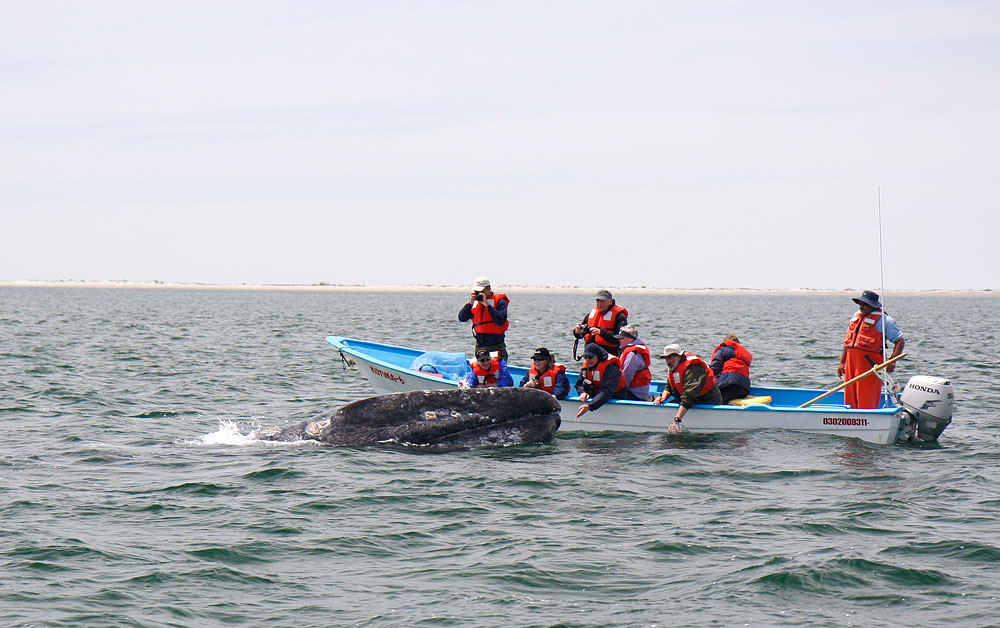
x,y
870,299
627,330
670,350
481,283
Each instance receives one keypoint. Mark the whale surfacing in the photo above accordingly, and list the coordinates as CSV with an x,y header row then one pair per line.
x,y
434,419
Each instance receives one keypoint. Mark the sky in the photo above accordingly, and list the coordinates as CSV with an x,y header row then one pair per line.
x,y
688,144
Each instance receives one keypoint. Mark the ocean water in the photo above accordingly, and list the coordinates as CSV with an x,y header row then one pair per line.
x,y
131,493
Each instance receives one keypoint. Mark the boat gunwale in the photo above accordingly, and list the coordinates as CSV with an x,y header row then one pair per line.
x,y
343,343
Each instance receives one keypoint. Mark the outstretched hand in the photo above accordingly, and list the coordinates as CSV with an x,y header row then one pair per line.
x,y
583,409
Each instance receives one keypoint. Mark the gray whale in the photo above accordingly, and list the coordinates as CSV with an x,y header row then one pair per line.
x,y
438,420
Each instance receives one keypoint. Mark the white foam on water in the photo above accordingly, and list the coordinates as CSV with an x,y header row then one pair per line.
x,y
228,434
231,433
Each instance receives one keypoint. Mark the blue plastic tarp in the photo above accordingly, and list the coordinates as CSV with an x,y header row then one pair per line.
x,y
453,366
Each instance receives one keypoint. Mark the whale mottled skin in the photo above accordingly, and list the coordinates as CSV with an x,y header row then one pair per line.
x,y
434,419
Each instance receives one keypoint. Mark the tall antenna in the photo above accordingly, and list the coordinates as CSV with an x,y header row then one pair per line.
x,y
881,288
881,273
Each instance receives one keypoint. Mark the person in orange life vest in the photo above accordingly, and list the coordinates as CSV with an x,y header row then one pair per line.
x,y
488,312
546,375
634,361
863,345
604,321
599,379
731,365
689,380
488,371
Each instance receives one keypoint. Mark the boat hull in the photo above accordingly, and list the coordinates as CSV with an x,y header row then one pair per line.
x,y
382,366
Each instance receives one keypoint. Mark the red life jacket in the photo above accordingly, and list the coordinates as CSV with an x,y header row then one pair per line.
x,y
642,376
864,334
739,364
603,321
482,322
487,377
593,376
676,377
547,380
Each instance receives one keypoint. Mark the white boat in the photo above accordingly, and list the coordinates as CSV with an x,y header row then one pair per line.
x,y
925,407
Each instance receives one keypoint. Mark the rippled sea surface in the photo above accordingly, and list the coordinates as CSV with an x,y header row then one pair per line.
x,y
131,494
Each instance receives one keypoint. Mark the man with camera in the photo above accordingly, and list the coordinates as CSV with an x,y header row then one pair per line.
x,y
604,321
488,312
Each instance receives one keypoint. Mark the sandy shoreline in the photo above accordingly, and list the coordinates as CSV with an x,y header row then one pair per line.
x,y
513,289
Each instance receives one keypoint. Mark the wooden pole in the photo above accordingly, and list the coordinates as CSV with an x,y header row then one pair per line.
x,y
873,370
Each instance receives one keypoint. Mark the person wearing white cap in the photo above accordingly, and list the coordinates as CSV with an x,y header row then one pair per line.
x,y
689,380
863,348
635,363
488,312
604,321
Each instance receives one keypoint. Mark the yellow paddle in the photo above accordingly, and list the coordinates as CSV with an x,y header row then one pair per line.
x,y
873,370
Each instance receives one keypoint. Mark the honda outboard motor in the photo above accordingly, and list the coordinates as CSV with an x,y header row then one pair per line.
x,y
928,403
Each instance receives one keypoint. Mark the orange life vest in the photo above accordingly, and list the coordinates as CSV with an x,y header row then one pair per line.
x,y
593,376
603,321
487,377
642,376
676,378
739,364
482,322
547,380
864,334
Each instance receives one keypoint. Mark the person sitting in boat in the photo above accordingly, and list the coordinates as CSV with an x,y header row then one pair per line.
x,y
599,379
488,312
488,370
689,381
634,360
545,374
604,321
731,365
864,348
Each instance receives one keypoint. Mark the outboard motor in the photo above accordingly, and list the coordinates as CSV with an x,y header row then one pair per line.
x,y
928,404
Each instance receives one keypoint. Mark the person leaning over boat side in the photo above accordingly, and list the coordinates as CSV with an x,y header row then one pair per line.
x,y
600,378
545,374
731,365
604,321
635,362
488,371
488,312
689,380
863,345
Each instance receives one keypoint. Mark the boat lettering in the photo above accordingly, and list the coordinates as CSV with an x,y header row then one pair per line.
x,y
390,376
839,420
933,391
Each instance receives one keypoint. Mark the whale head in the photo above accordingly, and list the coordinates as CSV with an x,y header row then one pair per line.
x,y
437,420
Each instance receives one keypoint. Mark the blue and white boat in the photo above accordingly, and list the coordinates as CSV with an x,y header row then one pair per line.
x,y
923,411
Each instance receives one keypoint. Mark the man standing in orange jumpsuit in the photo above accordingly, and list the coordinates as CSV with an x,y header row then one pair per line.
x,y
863,348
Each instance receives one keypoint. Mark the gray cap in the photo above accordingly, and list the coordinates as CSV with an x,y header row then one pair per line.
x,y
627,330
603,294
670,350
